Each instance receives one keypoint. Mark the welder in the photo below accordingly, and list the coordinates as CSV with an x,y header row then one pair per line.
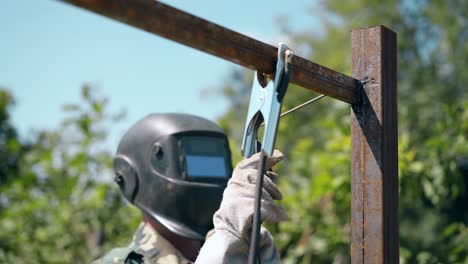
x,y
175,169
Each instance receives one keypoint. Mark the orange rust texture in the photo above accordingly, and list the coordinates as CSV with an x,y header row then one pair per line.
x,y
374,205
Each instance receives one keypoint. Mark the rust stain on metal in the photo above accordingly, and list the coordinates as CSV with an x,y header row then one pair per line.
x,y
374,147
171,23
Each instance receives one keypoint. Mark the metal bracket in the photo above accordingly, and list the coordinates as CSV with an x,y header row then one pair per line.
x,y
265,106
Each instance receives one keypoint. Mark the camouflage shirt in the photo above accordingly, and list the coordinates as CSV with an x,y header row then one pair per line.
x,y
147,247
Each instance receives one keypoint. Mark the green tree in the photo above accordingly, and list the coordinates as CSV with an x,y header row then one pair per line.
x,y
433,147
59,206
10,147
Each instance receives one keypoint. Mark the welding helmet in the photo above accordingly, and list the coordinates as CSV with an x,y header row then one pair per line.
x,y
175,167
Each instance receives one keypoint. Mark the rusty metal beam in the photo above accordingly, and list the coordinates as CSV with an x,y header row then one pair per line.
x,y
374,158
171,23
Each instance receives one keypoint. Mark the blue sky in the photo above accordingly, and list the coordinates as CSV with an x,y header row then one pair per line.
x,y
48,50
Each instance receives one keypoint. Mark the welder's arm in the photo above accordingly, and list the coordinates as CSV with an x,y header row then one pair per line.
x,y
233,221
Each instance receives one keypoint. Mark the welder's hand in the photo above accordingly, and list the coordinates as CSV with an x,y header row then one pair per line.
x,y
236,211
233,220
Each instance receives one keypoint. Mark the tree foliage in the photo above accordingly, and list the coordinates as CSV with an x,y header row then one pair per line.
x,y
10,147
58,205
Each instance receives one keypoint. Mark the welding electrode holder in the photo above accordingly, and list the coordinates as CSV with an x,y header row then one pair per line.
x,y
265,106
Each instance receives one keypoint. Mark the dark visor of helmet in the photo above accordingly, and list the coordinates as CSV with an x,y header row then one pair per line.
x,y
205,157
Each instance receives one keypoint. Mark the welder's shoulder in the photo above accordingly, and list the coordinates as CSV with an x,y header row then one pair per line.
x,y
129,255
125,255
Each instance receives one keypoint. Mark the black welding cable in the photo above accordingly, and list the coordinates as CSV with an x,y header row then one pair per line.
x,y
257,221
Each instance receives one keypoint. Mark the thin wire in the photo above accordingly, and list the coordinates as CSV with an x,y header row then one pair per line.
x,y
302,105
313,100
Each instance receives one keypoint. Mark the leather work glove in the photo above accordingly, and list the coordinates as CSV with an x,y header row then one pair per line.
x,y
233,221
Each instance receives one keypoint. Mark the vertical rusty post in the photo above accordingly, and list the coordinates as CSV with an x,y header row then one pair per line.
x,y
374,158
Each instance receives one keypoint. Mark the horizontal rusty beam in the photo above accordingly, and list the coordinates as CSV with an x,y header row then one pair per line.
x,y
171,23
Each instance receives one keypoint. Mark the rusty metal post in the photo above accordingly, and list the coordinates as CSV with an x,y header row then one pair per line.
x,y
374,158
